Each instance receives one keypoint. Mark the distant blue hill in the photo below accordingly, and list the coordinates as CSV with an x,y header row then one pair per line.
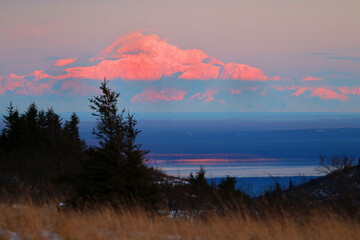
x,y
256,186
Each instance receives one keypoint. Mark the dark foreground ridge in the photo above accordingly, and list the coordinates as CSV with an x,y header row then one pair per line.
x,y
337,186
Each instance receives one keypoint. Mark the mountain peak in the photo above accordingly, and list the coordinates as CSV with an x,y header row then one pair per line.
x,y
146,57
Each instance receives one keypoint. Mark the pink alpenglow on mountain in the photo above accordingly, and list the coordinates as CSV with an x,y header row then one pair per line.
x,y
63,62
299,91
152,95
37,90
243,89
235,91
236,71
135,58
327,94
349,90
278,78
322,93
11,85
207,96
309,78
23,86
30,84
148,58
34,76
73,87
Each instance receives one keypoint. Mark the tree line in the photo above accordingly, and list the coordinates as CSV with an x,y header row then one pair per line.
x,y
44,156
36,147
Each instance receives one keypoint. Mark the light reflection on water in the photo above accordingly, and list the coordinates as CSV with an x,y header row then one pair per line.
x,y
236,165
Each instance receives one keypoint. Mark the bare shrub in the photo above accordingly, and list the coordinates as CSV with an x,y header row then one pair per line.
x,y
336,163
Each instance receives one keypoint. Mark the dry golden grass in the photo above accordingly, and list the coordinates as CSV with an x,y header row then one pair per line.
x,y
33,222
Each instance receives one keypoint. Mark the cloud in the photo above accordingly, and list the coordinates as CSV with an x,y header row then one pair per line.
x,y
354,59
332,73
321,53
154,95
31,29
52,58
63,62
310,78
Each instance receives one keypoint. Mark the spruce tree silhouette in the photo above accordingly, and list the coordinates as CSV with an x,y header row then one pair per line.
x,y
31,127
228,184
72,126
114,173
10,131
35,149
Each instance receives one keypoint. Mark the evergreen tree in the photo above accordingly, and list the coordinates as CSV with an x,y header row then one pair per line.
x,y
10,131
42,119
291,185
53,129
35,149
115,171
110,129
31,117
52,121
228,184
199,179
72,126
31,127
71,129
